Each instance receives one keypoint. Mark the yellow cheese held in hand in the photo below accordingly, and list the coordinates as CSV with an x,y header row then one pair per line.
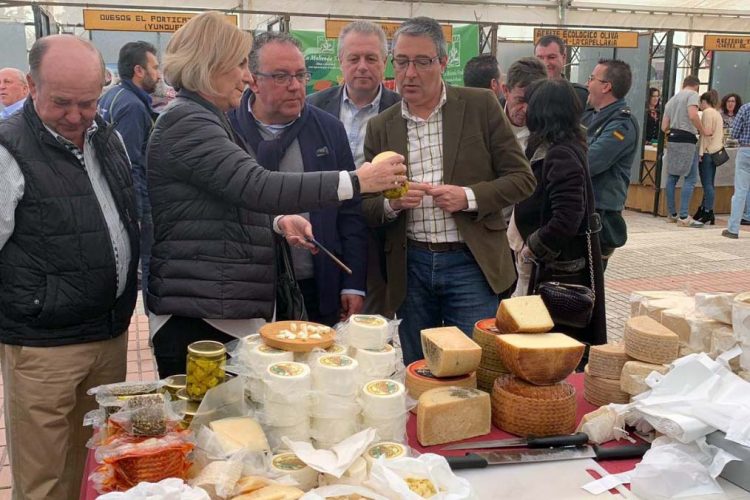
x,y
395,193
526,314
541,359
451,414
449,352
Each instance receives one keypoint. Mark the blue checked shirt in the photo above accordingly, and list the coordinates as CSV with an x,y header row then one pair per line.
x,y
355,122
741,125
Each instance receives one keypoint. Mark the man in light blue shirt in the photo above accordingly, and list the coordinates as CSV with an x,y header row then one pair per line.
x,y
13,91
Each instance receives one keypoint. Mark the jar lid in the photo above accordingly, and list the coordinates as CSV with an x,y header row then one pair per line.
x,y
175,382
182,395
207,348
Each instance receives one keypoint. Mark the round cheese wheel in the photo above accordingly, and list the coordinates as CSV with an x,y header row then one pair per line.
x,y
367,331
297,432
261,356
333,430
387,450
376,363
607,360
419,379
383,398
289,464
485,334
335,374
287,382
601,391
390,429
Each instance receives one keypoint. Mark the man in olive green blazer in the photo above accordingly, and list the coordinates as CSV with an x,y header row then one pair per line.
x,y
447,254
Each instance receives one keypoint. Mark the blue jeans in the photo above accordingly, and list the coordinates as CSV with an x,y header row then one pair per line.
x,y
687,188
442,288
741,189
707,170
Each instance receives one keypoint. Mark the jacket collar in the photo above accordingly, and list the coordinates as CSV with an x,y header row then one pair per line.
x,y
141,94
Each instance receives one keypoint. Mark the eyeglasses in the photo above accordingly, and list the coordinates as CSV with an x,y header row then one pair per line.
x,y
420,63
592,77
286,78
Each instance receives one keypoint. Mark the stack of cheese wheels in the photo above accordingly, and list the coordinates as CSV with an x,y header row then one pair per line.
x,y
387,450
420,379
601,384
490,367
335,384
288,464
384,408
367,331
375,363
286,403
534,400
259,357
451,358
529,410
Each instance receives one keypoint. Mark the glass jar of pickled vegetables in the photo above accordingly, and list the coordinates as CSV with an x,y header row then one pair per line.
x,y
206,360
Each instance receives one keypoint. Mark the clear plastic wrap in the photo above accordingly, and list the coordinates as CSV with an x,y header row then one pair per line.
x,y
148,415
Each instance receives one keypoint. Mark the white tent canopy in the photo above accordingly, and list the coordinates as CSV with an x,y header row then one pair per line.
x,y
728,16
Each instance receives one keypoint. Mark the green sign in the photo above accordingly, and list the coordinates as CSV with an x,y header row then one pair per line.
x,y
321,57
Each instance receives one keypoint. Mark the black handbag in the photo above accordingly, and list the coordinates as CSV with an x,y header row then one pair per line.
x,y
720,157
570,304
290,303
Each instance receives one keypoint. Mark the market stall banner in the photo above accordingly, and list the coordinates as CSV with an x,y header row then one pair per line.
x,y
321,57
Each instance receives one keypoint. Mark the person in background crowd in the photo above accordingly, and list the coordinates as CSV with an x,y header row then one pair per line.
x,y
521,74
711,141
682,122
730,105
551,50
287,136
465,166
483,72
13,91
554,220
162,96
651,132
68,260
213,263
740,198
612,136
363,50
127,106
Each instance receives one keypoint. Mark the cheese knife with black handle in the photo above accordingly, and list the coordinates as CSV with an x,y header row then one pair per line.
x,y
577,439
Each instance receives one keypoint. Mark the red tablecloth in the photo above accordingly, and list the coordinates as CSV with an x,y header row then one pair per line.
x,y
583,407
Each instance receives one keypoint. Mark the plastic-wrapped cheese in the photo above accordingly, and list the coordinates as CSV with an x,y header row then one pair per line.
x,y
638,299
335,374
649,341
355,475
367,331
262,355
606,360
722,340
542,358
375,363
634,374
741,318
451,414
289,464
273,492
715,305
526,314
286,382
383,398
449,352
654,307
236,433
387,450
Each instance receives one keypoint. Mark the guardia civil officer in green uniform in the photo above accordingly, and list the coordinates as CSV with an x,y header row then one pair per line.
x,y
612,134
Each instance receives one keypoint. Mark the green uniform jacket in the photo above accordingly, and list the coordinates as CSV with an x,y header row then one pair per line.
x,y
479,151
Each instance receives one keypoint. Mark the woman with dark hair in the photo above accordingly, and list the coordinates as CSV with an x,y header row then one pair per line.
x,y
730,105
651,134
711,141
555,220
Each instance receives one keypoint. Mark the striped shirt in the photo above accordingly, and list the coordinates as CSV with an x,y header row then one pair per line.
x,y
355,122
741,125
12,189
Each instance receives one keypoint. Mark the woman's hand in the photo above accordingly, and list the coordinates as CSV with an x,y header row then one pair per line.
x,y
297,230
527,255
386,174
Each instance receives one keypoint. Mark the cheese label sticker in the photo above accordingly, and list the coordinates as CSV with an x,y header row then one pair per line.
x,y
387,348
335,361
288,462
488,325
386,450
286,369
268,349
382,388
369,320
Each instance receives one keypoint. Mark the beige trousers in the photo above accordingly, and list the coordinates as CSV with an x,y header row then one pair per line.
x,y
45,401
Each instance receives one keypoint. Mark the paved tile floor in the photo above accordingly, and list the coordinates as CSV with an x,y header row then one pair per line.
x,y
658,256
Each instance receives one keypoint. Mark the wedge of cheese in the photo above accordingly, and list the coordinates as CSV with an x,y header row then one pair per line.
x,y
634,375
540,359
606,360
715,305
638,299
526,314
647,340
237,433
654,307
451,414
449,352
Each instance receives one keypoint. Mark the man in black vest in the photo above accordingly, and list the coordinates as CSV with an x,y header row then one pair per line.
x,y
68,258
